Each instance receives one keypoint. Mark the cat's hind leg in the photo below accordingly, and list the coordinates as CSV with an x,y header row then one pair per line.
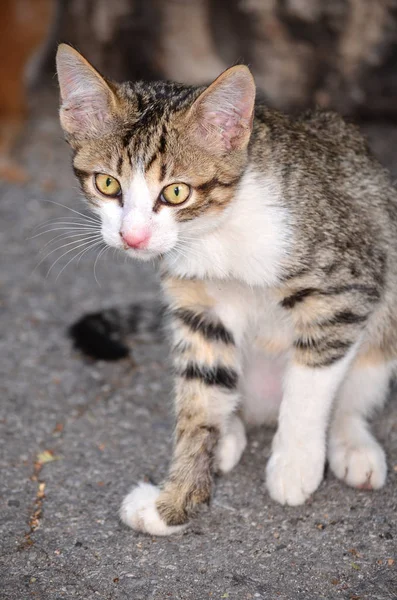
x,y
231,445
354,454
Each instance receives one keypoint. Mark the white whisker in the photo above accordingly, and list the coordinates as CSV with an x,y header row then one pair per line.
x,y
62,236
80,255
78,228
67,252
96,244
89,218
96,260
87,237
90,237
70,235
66,220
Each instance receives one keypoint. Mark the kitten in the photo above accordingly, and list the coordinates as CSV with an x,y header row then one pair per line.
x,y
277,240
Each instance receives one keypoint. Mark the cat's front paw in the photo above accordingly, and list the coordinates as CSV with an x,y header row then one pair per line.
x,y
293,475
359,463
138,510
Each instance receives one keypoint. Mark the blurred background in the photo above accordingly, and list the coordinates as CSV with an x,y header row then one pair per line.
x,y
303,53
76,433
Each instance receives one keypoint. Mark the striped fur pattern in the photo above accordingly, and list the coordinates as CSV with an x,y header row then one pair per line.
x,y
284,254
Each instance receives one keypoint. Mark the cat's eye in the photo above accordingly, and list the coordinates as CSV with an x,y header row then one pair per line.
x,y
107,185
176,193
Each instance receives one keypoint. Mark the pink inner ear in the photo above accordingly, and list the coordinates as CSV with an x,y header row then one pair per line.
x,y
85,116
225,109
86,98
229,126
83,120
87,111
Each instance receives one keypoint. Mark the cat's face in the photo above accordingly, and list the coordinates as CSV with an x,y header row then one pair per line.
x,y
158,162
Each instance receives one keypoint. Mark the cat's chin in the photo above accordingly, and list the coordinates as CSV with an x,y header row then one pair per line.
x,y
143,255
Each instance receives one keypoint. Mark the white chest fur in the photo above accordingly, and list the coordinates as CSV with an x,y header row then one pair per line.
x,y
249,244
253,313
264,334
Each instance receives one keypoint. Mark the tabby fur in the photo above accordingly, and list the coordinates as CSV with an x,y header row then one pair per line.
x,y
285,251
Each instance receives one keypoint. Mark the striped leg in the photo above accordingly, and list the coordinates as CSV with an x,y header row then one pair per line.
x,y
207,367
327,338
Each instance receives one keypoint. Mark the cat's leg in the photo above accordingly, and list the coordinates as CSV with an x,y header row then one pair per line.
x,y
354,454
231,445
295,468
207,364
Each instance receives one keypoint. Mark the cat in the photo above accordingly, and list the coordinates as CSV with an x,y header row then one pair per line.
x,y
277,244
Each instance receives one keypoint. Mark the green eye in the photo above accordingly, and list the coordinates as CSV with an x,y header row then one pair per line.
x,y
176,193
107,185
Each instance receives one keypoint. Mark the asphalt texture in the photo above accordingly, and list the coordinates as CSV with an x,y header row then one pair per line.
x,y
77,434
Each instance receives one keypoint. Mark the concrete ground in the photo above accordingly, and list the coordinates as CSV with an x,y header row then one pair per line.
x,y
78,434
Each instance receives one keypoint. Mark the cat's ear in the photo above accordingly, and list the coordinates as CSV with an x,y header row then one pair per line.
x,y
221,117
88,104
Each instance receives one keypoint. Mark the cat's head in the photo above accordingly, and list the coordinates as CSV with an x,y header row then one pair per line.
x,y
159,162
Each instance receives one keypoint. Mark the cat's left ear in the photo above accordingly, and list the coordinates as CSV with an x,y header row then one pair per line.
x,y
221,117
88,104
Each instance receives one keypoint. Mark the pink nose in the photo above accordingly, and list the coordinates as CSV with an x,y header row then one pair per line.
x,y
138,238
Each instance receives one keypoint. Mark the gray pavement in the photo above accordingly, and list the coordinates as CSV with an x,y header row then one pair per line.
x,y
101,427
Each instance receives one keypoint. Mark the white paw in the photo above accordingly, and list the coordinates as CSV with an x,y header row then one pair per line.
x,y
293,475
359,464
231,446
138,510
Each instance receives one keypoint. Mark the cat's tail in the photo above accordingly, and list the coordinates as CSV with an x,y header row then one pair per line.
x,y
103,335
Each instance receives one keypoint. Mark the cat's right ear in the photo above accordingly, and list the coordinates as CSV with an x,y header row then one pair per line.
x,y
221,117
88,104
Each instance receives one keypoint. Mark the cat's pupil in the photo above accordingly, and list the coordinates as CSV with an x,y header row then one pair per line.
x,y
108,182
176,191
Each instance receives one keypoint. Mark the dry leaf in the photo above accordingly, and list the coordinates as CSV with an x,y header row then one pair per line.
x,y
46,456
40,491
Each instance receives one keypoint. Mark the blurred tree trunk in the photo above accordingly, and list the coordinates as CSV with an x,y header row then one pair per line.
x,y
333,53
